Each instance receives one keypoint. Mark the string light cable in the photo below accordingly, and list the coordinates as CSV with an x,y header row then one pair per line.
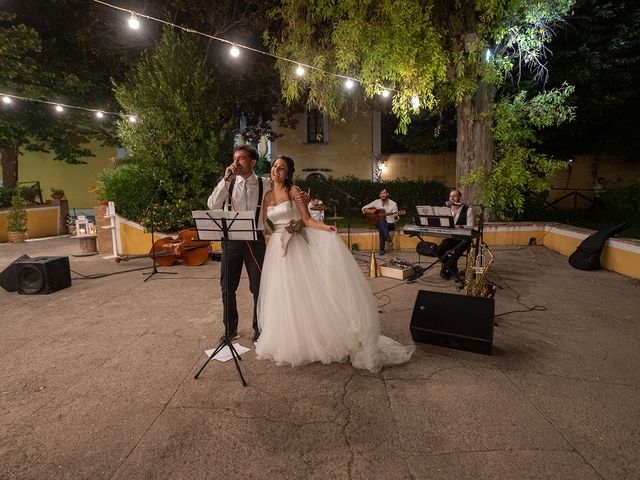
x,y
7,99
299,66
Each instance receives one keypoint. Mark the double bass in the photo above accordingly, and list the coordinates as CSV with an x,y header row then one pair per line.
x,y
168,250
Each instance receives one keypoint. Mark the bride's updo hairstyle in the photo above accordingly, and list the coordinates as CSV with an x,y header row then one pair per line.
x,y
288,182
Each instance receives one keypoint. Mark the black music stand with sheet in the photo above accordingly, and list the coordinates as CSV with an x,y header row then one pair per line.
x,y
224,225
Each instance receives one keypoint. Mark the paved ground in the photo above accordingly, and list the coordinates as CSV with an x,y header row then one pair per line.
x,y
97,382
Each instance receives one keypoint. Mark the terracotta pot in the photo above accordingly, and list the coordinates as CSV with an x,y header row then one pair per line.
x,y
17,237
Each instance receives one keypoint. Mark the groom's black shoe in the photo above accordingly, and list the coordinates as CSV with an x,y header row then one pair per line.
x,y
256,336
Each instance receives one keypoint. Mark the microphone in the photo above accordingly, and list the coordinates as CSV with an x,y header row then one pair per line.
x,y
230,174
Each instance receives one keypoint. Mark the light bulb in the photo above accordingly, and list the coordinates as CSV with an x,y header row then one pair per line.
x,y
300,70
59,108
99,114
235,52
132,119
6,99
415,101
134,23
348,83
385,93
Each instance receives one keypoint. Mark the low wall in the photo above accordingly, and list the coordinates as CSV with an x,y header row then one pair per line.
x,y
42,221
620,255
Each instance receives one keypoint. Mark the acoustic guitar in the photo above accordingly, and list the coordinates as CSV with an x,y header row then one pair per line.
x,y
374,215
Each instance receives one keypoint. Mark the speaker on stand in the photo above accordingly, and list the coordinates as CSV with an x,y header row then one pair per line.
x,y
453,320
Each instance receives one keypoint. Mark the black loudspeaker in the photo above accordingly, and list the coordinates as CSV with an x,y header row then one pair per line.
x,y
455,321
8,279
42,275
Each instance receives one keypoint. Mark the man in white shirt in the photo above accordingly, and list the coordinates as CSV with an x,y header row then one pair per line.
x,y
451,249
317,215
239,190
385,211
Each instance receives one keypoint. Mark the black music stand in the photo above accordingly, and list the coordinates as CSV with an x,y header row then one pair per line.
x,y
153,236
225,226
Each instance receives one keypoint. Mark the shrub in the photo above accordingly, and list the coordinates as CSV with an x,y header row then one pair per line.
x,y
17,217
406,193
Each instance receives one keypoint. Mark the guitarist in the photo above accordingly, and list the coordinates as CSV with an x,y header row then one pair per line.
x,y
385,213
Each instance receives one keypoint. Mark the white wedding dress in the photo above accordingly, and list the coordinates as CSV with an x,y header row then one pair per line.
x,y
315,305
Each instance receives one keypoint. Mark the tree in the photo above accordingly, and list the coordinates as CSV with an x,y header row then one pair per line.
x,y
178,136
46,63
430,53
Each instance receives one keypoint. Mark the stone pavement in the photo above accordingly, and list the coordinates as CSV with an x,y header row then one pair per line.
x,y
97,382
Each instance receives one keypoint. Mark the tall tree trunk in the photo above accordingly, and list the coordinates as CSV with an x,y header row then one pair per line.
x,y
474,139
9,158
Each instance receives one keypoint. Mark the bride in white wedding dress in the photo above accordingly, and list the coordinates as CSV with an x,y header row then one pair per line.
x,y
315,305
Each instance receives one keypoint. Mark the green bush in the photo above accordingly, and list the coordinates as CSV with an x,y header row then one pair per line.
x,y
17,217
5,196
130,186
406,193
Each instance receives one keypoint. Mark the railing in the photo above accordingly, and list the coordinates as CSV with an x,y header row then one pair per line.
x,y
574,193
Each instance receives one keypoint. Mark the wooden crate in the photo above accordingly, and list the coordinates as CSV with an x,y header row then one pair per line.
x,y
392,271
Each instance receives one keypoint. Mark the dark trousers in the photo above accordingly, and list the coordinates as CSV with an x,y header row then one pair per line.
x,y
235,253
450,251
383,228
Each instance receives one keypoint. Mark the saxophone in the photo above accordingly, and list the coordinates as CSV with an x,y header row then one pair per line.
x,y
477,274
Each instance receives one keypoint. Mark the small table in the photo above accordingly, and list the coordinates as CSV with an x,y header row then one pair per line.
x,y
88,245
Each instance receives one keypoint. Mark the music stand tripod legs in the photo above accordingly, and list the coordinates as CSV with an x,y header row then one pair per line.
x,y
222,226
153,237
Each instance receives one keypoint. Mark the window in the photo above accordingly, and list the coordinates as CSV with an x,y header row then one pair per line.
x,y
315,126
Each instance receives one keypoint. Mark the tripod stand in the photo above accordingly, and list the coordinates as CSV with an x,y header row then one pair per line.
x,y
349,197
153,240
213,225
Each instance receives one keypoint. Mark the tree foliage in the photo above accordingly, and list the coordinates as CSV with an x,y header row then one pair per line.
x,y
518,168
42,61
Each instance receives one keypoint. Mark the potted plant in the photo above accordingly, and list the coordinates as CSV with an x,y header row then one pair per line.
x,y
57,194
17,220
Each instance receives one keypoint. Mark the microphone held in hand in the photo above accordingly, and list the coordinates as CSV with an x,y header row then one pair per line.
x,y
231,173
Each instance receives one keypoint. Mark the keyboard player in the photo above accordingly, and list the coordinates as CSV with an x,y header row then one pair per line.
x,y
451,249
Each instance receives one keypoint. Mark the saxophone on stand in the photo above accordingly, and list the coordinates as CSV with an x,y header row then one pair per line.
x,y
476,277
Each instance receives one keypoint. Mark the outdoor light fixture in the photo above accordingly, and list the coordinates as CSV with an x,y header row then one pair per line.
x,y
415,101
59,108
6,99
234,52
349,83
99,114
132,119
300,70
134,23
385,93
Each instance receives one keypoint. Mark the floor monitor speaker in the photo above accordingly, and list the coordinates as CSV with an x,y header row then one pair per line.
x,y
453,320
42,275
8,278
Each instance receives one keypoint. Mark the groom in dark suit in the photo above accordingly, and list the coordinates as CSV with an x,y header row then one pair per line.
x,y
240,190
